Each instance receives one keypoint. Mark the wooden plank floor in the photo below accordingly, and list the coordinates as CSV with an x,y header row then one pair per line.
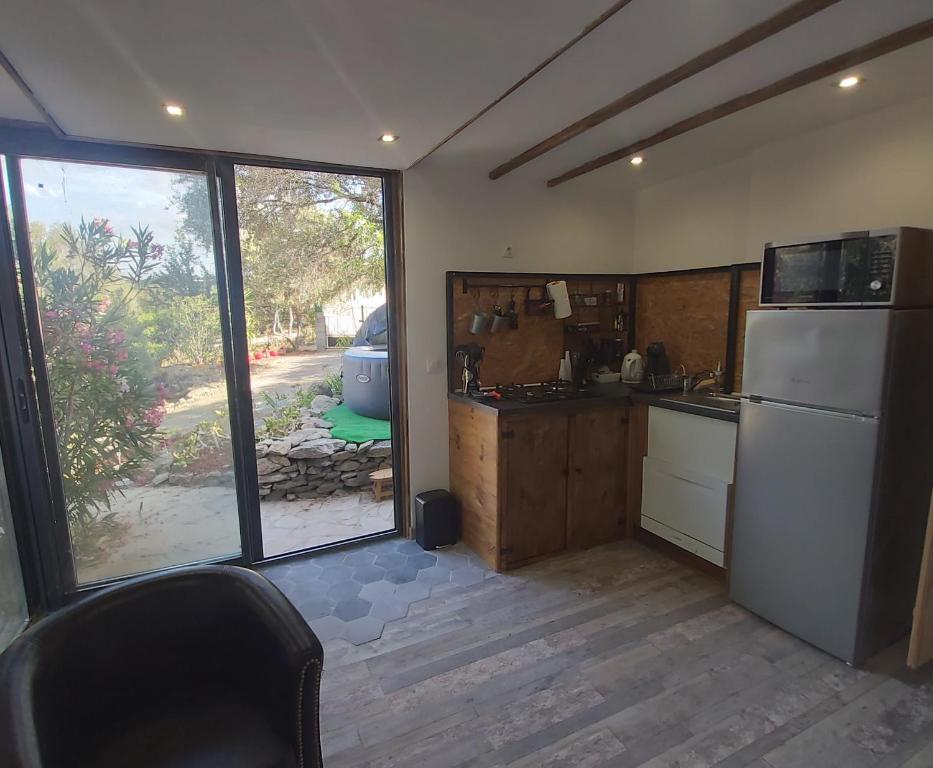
x,y
619,657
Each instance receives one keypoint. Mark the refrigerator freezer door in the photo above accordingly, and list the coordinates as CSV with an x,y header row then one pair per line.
x,y
802,507
833,358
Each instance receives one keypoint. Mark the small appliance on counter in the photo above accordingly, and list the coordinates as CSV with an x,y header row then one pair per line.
x,y
469,356
633,368
657,363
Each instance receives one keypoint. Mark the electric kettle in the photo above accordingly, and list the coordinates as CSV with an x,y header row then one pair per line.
x,y
633,368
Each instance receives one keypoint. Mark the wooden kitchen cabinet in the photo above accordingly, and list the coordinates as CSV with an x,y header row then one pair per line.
x,y
534,483
597,480
534,469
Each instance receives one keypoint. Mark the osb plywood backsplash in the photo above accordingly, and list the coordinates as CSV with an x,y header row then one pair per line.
x,y
532,352
689,312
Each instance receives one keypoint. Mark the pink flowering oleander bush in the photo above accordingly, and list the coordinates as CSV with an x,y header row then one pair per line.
x,y
106,407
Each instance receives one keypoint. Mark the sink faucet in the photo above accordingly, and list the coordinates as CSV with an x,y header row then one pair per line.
x,y
711,380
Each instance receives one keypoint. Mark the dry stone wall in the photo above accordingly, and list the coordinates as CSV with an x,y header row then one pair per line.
x,y
310,462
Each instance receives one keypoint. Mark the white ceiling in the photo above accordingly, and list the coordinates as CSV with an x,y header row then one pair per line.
x,y
322,79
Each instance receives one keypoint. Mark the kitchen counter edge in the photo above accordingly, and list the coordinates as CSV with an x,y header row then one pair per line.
x,y
609,394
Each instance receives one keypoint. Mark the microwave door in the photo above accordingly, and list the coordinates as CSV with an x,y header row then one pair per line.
x,y
828,272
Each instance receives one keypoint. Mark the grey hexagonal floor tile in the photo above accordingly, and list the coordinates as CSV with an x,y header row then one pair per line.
x,y
452,560
354,608
329,558
391,609
422,560
384,545
315,607
327,628
335,573
353,594
436,575
285,583
312,585
409,547
401,575
368,573
391,560
344,590
359,557
413,591
363,630
377,590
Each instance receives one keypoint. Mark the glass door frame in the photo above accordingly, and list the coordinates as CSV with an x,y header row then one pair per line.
x,y
40,499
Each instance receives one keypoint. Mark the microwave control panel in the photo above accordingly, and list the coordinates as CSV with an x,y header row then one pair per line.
x,y
881,252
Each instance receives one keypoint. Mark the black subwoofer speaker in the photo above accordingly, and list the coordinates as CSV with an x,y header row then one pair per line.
x,y
437,519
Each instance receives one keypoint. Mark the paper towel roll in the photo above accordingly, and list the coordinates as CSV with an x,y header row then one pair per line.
x,y
557,290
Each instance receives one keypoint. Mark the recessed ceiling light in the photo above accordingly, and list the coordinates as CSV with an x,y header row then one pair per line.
x,y
637,160
388,138
849,82
175,110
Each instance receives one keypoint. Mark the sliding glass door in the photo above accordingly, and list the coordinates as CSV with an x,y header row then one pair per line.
x,y
198,361
13,610
118,272
314,279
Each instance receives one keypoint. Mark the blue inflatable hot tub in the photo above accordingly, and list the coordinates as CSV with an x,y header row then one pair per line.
x,y
366,381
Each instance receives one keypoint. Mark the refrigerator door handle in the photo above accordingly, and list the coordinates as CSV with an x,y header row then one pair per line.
x,y
797,408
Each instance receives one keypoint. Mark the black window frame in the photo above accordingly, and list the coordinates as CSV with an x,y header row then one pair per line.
x,y
43,545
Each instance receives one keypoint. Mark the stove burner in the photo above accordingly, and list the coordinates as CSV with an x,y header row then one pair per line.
x,y
546,392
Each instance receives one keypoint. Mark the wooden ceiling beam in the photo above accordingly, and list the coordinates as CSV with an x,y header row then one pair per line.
x,y
755,34
889,44
611,11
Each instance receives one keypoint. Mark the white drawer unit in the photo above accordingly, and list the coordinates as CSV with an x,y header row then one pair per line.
x,y
687,476
689,508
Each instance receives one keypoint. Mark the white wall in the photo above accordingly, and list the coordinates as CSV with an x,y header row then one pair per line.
x,y
875,170
456,219
872,171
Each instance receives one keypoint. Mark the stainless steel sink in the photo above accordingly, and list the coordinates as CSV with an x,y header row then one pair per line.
x,y
718,402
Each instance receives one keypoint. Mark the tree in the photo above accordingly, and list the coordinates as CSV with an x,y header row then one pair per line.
x,y
306,238
105,406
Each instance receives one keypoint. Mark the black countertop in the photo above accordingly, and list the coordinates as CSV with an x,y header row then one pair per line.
x,y
615,394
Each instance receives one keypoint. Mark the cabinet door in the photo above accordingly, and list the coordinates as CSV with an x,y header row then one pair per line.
x,y
534,510
596,496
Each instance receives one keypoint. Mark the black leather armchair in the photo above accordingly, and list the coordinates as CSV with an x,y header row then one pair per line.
x,y
201,667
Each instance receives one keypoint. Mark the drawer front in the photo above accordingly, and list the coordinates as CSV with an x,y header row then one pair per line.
x,y
693,504
694,443
683,541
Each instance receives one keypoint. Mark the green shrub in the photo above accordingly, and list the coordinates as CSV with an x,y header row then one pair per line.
x,y
186,330
105,406
285,417
335,382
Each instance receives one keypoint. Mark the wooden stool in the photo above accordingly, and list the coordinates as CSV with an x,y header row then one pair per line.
x,y
382,483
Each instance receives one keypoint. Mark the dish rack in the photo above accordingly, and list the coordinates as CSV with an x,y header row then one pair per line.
x,y
666,382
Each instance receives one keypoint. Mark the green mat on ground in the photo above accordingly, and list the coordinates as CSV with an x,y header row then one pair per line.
x,y
354,428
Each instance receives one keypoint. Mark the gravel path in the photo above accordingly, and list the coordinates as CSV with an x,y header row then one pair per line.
x,y
277,374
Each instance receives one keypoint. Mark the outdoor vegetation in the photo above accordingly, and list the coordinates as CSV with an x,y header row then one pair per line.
x,y
305,238
125,317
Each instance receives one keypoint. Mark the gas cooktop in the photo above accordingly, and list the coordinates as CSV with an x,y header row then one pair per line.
x,y
545,392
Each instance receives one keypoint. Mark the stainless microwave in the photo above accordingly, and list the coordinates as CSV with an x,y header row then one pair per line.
x,y
884,267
